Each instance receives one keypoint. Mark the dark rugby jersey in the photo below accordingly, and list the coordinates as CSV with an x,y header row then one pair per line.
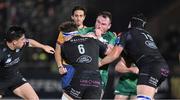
x,y
83,52
9,60
140,46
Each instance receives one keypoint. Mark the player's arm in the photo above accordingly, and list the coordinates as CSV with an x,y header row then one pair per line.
x,y
47,48
114,54
62,70
122,67
57,55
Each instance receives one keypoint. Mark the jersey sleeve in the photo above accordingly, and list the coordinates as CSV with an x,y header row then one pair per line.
x,y
102,48
123,38
110,37
60,39
113,39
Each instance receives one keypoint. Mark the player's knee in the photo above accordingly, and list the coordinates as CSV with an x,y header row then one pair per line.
x,y
143,97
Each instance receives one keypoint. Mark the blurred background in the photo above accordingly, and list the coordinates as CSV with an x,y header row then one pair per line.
x,y
41,19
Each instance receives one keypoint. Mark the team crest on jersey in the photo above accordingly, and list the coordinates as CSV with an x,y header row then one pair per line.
x,y
151,44
84,59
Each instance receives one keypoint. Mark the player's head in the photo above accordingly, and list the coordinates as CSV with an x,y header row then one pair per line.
x,y
78,15
16,36
103,22
68,28
138,20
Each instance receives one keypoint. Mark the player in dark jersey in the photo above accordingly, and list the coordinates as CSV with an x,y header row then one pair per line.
x,y
140,46
82,53
10,55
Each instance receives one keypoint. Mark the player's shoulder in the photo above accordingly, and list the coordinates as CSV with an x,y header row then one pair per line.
x,y
112,34
86,30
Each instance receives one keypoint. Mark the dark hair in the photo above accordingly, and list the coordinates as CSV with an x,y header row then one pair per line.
x,y
14,33
79,8
106,14
138,20
68,26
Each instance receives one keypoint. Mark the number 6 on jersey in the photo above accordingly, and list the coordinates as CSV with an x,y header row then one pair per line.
x,y
81,49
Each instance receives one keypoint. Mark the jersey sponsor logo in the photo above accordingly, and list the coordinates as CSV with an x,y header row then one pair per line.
x,y
151,44
84,59
79,39
9,62
89,82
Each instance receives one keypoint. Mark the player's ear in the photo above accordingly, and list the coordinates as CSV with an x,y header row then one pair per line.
x,y
109,26
14,42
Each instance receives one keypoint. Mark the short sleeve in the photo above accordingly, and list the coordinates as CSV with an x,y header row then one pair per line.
x,y
60,39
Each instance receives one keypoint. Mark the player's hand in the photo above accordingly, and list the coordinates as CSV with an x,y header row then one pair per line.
x,y
98,32
134,70
62,70
49,49
99,64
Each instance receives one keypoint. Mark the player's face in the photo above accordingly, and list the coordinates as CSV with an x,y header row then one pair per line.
x,y
102,25
20,42
78,17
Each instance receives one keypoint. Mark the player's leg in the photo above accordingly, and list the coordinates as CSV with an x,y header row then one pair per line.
x,y
66,97
120,97
145,91
26,92
93,93
150,78
133,97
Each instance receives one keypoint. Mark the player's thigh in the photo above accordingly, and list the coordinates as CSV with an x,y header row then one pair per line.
x,y
93,93
26,91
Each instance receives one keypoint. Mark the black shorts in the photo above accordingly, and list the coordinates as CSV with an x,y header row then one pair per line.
x,y
85,86
11,84
153,74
